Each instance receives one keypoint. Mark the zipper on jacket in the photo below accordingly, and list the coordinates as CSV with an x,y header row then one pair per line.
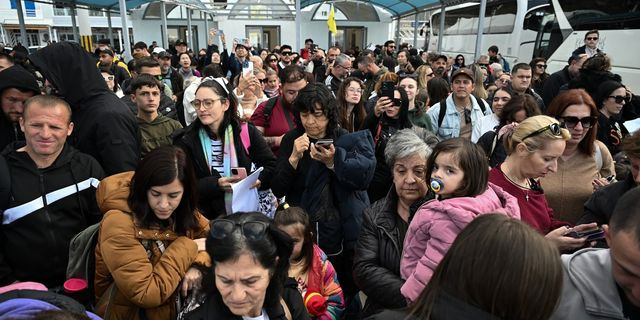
x,y
393,240
45,206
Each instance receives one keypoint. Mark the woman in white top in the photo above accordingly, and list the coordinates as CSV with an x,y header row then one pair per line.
x,y
488,122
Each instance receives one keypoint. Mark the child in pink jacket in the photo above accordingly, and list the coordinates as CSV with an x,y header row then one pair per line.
x,y
459,174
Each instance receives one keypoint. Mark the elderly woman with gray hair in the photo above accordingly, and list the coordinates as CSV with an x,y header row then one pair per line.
x,y
379,248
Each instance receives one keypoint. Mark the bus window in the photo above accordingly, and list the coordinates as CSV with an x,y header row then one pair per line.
x,y
500,17
602,14
549,36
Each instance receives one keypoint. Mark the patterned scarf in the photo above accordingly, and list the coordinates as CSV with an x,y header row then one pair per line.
x,y
230,159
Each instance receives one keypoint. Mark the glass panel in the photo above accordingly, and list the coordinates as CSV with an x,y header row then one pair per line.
x,y
500,17
602,15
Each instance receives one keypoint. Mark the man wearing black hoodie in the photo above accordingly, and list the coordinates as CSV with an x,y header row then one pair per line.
x,y
16,86
105,128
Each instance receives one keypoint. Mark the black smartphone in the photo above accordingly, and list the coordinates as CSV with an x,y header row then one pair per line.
x,y
591,234
387,88
325,143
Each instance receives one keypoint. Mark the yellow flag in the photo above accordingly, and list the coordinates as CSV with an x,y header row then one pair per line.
x,y
331,21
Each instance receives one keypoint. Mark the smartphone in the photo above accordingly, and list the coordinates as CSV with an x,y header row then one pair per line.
x,y
239,172
247,68
387,89
591,234
325,143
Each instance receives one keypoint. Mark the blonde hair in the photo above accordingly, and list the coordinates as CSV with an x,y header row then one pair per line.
x,y
538,141
422,75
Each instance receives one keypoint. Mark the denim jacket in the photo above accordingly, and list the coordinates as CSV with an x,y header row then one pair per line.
x,y
451,123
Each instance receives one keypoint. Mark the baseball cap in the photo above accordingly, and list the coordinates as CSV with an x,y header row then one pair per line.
x,y
463,72
157,50
180,43
164,54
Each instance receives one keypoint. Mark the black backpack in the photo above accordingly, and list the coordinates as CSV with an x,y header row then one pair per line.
x,y
443,111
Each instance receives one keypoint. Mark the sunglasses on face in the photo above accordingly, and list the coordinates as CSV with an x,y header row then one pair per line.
x,y
286,53
263,81
586,122
252,230
592,38
619,99
554,128
544,66
397,102
272,60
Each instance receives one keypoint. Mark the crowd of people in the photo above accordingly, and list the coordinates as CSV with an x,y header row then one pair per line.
x,y
382,184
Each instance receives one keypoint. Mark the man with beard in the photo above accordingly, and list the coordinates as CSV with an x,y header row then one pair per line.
x,y
16,86
439,66
104,127
274,117
170,76
107,61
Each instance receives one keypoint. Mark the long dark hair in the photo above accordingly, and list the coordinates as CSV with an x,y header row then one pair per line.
x,y
291,216
312,96
358,109
272,252
160,167
231,115
473,271
403,115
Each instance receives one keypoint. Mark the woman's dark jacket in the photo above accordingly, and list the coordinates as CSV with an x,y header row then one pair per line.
x,y
333,198
610,132
590,80
376,267
382,179
214,309
600,205
210,196
498,154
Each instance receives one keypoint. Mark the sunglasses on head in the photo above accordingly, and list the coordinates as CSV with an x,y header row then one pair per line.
x,y
586,122
252,230
554,128
619,99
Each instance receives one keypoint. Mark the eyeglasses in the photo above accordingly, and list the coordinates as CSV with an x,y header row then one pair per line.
x,y
544,66
272,60
619,99
592,38
355,90
554,128
252,230
206,103
571,122
108,78
286,53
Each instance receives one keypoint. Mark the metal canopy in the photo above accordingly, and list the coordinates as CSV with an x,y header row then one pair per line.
x,y
131,4
398,8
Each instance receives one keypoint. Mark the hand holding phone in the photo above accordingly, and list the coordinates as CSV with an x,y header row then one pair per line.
x,y
247,68
324,143
239,173
387,89
590,234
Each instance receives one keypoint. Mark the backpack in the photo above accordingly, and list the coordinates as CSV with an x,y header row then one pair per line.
x,y
443,111
82,256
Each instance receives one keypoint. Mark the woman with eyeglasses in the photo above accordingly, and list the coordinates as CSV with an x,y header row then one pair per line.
x,y
388,117
325,170
533,148
538,74
221,147
351,104
515,110
611,98
249,278
458,63
271,62
151,241
111,83
586,163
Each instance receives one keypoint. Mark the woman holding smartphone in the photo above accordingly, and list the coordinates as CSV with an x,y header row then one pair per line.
x,y
216,142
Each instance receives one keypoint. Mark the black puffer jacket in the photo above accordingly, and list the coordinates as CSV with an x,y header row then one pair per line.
x,y
377,259
211,197
600,205
104,127
34,238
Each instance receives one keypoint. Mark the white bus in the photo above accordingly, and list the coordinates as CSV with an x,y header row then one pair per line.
x,y
553,29
561,28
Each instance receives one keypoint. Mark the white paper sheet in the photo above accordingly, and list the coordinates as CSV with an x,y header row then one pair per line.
x,y
245,198
632,125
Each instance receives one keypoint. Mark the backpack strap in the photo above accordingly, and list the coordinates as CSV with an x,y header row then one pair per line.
x,y
443,112
493,144
268,110
244,136
480,103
